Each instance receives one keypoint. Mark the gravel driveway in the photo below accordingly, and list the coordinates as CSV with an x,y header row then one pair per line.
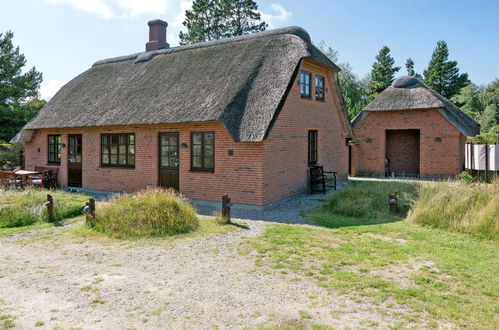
x,y
69,281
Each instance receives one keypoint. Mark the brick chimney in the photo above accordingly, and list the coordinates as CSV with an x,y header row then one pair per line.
x,y
157,35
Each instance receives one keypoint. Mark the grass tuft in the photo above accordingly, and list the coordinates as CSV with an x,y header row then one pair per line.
x,y
458,207
370,199
24,208
151,212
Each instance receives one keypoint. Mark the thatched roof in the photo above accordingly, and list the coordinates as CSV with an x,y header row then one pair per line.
x,y
240,82
409,93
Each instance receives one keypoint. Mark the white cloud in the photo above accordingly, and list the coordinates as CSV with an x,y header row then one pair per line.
x,y
48,89
119,8
281,15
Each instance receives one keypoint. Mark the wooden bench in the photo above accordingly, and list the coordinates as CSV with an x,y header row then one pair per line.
x,y
321,179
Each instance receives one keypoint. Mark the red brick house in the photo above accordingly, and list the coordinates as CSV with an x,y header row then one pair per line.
x,y
244,116
417,130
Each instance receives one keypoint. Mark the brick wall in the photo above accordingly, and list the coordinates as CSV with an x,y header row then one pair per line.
x,y
256,173
437,159
286,150
239,175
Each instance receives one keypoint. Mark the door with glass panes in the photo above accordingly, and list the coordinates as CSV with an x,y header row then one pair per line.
x,y
168,160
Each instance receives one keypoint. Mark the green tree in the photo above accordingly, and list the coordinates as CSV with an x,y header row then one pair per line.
x,y
469,100
409,65
352,89
240,17
482,104
382,73
18,90
443,75
215,19
202,23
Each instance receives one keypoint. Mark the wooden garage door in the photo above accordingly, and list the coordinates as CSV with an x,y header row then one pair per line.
x,y
402,149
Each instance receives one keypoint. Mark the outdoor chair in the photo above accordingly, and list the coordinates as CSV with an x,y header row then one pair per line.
x,y
51,179
39,180
320,180
9,179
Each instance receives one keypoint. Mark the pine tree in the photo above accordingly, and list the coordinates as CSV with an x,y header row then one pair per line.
x,y
240,17
443,75
18,90
215,19
202,22
409,65
382,73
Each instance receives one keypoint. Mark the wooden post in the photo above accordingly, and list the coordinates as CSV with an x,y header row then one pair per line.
x,y
89,211
50,206
226,208
486,163
393,203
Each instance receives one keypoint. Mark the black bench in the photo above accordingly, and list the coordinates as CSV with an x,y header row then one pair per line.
x,y
320,180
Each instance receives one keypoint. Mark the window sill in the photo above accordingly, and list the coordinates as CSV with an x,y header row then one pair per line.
x,y
306,97
200,170
53,164
321,100
118,167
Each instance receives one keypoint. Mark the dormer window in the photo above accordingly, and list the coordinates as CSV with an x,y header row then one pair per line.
x,y
319,88
305,84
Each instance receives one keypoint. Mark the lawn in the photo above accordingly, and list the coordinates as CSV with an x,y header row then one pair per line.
x,y
430,277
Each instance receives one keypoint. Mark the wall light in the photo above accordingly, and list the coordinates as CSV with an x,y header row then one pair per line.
x,y
368,139
438,139
183,145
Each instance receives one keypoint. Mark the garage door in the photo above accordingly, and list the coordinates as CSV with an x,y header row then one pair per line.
x,y
402,149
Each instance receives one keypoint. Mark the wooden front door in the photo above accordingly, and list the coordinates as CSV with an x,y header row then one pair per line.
x,y
74,160
402,150
168,160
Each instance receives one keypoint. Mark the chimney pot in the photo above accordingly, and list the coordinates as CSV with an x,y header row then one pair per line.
x,y
157,35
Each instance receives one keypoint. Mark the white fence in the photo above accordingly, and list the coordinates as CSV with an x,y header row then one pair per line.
x,y
482,157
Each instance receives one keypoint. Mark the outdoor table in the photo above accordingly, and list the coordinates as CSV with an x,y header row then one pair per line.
x,y
23,175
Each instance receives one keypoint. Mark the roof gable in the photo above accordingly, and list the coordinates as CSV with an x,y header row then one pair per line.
x,y
239,82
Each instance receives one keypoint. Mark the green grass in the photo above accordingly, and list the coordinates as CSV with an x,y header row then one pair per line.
x,y
363,203
462,207
371,255
443,276
152,212
24,208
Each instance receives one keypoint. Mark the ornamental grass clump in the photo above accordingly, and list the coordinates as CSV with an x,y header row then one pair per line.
x,y
150,212
26,207
459,206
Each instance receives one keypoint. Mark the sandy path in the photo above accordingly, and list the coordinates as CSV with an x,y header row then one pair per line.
x,y
194,283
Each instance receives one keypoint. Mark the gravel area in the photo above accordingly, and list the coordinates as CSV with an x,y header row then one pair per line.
x,y
70,281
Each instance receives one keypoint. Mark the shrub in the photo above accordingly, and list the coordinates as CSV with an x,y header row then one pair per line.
x,y
10,155
370,199
151,212
23,208
459,207
466,177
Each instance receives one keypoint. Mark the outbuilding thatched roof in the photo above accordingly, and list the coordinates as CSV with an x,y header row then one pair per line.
x,y
409,93
240,82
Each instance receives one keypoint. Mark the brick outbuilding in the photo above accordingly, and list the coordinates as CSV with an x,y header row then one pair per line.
x,y
410,130
243,116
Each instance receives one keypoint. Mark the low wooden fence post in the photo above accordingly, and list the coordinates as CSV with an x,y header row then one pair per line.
x,y
226,204
89,211
50,206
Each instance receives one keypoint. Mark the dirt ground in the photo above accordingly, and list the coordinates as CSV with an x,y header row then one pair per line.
x,y
69,281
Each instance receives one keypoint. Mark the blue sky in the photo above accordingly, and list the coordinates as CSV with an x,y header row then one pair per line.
x,y
62,38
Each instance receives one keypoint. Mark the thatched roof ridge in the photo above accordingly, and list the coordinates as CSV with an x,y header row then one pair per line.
x,y
409,93
239,82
